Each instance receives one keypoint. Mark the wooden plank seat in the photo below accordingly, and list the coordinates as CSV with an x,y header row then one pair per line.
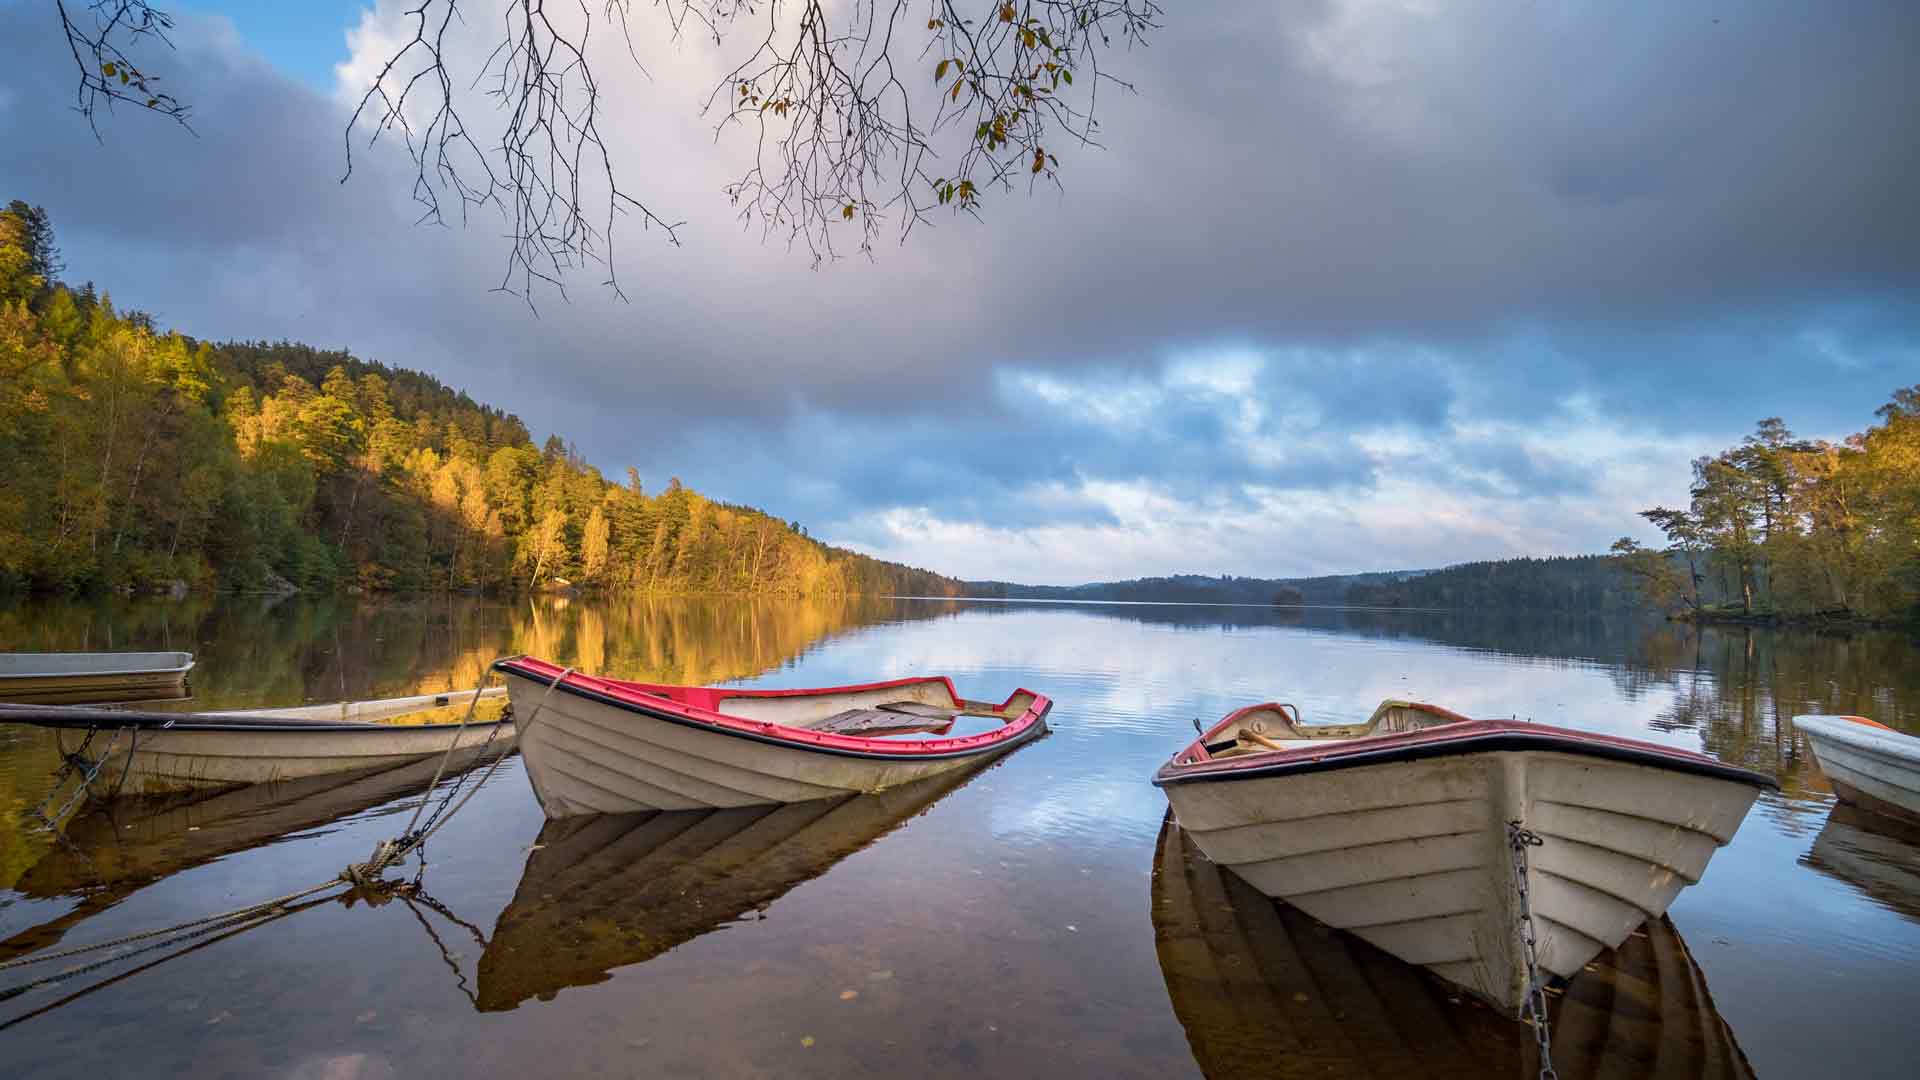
x,y
920,708
893,718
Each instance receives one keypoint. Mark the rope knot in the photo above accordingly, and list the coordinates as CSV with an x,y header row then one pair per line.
x,y
360,875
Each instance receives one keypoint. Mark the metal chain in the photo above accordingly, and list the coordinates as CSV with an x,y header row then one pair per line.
x,y
68,767
388,852
1519,839
74,764
459,782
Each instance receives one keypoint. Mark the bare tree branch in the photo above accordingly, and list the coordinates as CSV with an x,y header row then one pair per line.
x,y
858,116
548,169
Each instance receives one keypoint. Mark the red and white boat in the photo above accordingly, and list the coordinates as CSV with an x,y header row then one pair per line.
x,y
595,745
1398,830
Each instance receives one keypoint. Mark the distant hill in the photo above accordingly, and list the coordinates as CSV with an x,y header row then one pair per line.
x,y
1199,589
1592,583
1575,583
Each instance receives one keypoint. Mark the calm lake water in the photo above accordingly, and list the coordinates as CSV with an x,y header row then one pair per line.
x,y
1031,920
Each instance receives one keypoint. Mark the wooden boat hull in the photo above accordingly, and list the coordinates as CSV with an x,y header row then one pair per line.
x,y
157,753
1263,989
167,761
1405,842
605,747
606,892
92,676
1870,765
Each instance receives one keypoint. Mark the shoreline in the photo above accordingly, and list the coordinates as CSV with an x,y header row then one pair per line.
x,y
1773,620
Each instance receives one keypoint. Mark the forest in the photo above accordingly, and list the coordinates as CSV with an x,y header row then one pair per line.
x,y
1191,589
134,458
1781,528
1584,583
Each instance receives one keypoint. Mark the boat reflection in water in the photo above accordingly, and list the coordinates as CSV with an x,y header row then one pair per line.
x,y
1878,855
111,850
609,891
1263,990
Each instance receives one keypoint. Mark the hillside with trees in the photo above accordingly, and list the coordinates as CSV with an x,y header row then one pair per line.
x,y
1581,583
1785,528
1193,589
137,458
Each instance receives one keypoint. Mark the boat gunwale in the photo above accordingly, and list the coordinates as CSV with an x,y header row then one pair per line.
x,y
78,717
1013,732
1447,740
1861,735
100,673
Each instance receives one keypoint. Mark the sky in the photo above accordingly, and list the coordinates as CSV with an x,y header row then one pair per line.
x,y
1350,286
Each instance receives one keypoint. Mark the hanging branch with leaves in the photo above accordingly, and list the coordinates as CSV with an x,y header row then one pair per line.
x,y
99,40
864,114
843,130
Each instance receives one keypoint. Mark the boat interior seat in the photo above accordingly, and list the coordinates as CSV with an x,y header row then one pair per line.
x,y
920,708
886,720
1279,727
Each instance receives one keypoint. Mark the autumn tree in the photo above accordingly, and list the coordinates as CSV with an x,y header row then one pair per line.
x,y
1684,536
1652,572
595,547
549,543
1810,528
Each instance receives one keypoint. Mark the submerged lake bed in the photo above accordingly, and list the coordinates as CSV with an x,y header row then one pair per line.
x,y
1030,919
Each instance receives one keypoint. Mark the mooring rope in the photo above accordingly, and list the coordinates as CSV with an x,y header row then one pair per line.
x,y
236,915
363,875
229,930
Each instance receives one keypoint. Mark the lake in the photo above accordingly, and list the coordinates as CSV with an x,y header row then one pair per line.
x,y
1029,920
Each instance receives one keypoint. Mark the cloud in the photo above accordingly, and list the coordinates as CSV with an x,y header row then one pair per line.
x,y
1340,267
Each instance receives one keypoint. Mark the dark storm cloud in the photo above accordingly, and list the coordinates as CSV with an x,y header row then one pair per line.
x,y
1662,216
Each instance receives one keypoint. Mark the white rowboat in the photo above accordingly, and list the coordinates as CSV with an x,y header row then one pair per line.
x,y
595,745
1397,830
1869,764
1256,983
142,752
95,676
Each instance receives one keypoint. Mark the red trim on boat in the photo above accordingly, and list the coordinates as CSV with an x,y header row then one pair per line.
x,y
700,705
1462,737
1863,721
